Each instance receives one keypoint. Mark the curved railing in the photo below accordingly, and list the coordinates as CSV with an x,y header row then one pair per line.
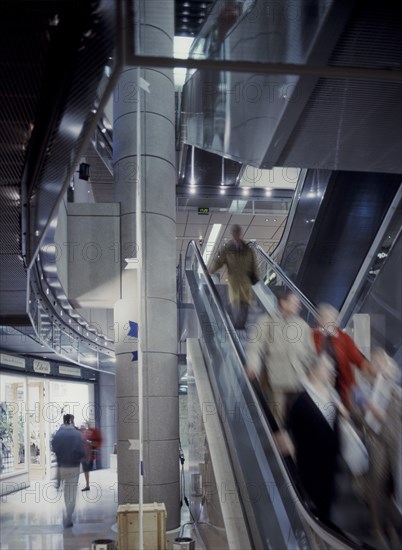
x,y
58,326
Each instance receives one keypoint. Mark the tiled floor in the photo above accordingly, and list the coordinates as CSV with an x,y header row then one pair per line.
x,y
32,519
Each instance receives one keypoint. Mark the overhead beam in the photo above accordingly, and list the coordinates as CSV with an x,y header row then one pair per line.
x,y
254,67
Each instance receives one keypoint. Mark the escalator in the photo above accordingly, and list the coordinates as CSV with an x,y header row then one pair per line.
x,y
378,292
336,218
273,502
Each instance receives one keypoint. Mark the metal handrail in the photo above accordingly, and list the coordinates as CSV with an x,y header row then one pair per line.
x,y
314,523
279,249
353,297
217,299
279,271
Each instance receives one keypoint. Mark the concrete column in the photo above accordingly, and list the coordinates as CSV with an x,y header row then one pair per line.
x,y
106,415
158,325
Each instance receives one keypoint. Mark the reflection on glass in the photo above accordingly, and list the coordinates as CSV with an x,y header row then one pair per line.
x,y
34,425
239,30
12,425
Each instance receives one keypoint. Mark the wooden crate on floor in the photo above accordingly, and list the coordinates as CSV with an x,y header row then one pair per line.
x,y
154,526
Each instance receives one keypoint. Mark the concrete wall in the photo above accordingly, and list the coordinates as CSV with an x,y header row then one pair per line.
x,y
94,262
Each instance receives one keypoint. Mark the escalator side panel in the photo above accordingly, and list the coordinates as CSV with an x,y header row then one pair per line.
x,y
384,304
347,222
302,224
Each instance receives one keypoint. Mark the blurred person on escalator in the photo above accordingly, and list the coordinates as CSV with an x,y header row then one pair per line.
x,y
313,425
342,350
381,486
241,265
279,357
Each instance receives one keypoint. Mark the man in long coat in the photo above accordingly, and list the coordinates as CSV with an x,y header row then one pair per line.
x,y
241,265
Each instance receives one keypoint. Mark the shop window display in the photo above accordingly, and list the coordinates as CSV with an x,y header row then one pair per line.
x,y
12,425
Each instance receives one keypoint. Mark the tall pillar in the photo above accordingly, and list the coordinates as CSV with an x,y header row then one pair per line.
x,y
158,325
106,416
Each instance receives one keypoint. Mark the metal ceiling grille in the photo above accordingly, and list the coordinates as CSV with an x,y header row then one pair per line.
x,y
46,96
190,15
24,43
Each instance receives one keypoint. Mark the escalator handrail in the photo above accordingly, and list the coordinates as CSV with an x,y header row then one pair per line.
x,y
315,524
279,271
217,299
281,245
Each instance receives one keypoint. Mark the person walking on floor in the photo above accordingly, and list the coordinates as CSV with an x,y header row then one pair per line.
x,y
241,265
92,439
68,445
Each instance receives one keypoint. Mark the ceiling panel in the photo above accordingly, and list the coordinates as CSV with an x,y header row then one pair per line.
x,y
194,217
181,216
220,217
267,220
259,232
241,219
180,228
194,231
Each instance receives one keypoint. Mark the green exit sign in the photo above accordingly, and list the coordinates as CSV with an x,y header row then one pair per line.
x,y
203,211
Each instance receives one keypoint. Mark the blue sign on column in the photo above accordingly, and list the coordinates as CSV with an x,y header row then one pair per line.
x,y
133,329
133,332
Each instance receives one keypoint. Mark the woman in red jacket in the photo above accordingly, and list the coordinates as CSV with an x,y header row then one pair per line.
x,y
343,351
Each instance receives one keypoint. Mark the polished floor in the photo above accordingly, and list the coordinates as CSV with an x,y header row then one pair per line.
x,y
33,519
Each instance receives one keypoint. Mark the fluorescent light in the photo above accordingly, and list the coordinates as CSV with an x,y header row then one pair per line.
x,y
181,46
192,178
211,242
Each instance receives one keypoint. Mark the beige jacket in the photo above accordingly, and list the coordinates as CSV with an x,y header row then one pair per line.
x,y
239,263
284,347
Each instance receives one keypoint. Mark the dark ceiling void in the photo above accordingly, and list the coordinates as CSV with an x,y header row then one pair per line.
x,y
52,57
190,15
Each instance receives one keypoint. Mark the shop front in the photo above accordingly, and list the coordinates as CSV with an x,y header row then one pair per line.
x,y
32,404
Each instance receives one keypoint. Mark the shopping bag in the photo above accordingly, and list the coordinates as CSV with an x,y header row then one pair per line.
x,y
353,450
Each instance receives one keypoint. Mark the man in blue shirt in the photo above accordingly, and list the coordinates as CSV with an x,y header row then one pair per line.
x,y
69,448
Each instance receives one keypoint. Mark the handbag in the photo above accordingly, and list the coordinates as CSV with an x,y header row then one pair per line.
x,y
253,277
353,450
